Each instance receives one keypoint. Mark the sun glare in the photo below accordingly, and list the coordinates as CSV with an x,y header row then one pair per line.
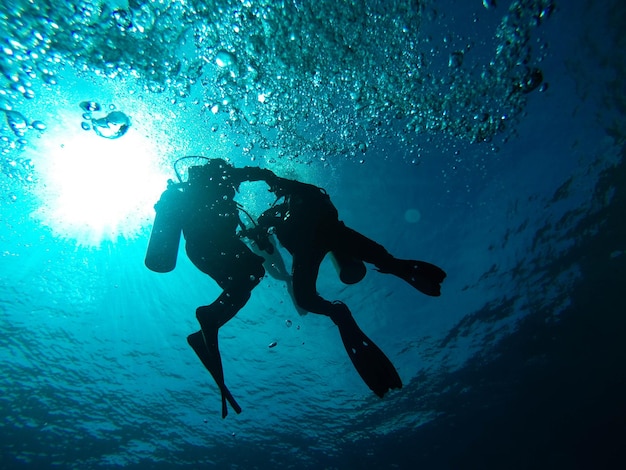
x,y
96,189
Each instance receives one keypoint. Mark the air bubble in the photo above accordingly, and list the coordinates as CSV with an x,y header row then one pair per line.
x,y
16,122
90,106
225,59
113,126
532,80
5,104
455,60
49,78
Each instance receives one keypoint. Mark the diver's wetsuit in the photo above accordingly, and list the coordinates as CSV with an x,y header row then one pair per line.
x,y
210,228
210,223
307,224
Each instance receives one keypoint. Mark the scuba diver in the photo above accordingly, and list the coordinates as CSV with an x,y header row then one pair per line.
x,y
205,211
307,224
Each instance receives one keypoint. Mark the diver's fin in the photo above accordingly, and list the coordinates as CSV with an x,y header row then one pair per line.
x,y
373,366
425,277
212,360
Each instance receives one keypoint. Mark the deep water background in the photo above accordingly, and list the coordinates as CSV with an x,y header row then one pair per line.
x,y
519,364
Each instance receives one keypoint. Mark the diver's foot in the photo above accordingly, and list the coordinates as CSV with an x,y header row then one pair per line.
x,y
208,353
370,362
212,318
425,277
211,359
208,317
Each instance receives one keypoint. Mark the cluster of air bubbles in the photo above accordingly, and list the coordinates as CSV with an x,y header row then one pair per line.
x,y
19,125
306,78
14,167
17,169
308,75
17,122
111,125
27,63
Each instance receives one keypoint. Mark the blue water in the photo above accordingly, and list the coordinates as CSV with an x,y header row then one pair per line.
x,y
519,196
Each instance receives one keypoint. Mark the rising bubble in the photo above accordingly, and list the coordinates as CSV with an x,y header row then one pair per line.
x,y
225,59
90,106
16,122
113,126
40,126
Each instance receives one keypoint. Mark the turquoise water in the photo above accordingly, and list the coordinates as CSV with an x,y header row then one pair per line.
x,y
485,137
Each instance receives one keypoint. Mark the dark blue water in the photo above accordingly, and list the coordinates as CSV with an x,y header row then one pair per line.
x,y
427,142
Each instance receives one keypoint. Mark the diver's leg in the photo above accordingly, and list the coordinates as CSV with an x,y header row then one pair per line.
x,y
359,246
237,280
373,366
237,271
205,342
224,308
212,360
425,277
305,269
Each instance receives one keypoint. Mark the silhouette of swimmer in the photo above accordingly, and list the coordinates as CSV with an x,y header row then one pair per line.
x,y
306,223
205,211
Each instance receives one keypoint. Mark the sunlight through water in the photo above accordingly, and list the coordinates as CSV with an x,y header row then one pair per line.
x,y
94,189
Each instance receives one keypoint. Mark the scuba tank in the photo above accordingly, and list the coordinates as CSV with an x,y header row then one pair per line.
x,y
165,237
350,270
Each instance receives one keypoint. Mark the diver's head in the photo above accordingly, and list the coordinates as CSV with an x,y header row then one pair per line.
x,y
213,169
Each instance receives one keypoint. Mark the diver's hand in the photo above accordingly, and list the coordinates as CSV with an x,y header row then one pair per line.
x,y
271,179
265,244
259,236
280,186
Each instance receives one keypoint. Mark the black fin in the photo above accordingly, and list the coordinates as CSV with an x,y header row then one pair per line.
x,y
425,277
370,362
213,363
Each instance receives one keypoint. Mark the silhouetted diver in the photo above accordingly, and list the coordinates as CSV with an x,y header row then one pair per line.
x,y
205,211
307,225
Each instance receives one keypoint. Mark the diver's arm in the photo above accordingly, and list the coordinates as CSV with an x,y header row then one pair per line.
x,y
277,185
260,232
272,216
253,173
